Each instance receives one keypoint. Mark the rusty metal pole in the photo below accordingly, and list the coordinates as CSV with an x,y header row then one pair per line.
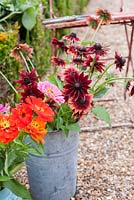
x,y
121,5
53,33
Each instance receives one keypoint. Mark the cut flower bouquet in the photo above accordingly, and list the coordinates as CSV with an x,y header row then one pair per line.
x,y
66,94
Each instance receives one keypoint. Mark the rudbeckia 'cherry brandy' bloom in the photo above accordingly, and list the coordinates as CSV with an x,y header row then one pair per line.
x,y
37,129
99,65
70,72
94,63
119,61
88,61
51,91
58,61
72,37
76,86
27,79
40,108
25,49
98,49
58,44
78,61
8,129
81,106
31,91
22,114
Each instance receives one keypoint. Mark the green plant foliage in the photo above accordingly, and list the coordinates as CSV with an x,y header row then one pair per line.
x,y
8,39
101,113
29,15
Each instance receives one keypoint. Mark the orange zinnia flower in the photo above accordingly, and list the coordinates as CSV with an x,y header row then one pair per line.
x,y
37,129
40,108
8,129
22,115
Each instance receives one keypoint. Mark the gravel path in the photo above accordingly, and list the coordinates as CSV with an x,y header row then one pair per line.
x,y
105,160
106,163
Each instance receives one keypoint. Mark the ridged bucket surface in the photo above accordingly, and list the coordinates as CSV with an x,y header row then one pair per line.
x,y
6,194
53,176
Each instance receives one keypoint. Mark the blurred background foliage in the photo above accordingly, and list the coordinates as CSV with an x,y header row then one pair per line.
x,y
20,22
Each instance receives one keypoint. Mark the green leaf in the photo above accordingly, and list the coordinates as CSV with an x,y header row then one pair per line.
x,y
1,163
34,151
29,18
59,123
4,178
54,80
11,156
84,43
101,92
74,127
17,189
65,130
6,164
101,113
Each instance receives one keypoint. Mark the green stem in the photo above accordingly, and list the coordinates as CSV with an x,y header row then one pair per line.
x,y
91,69
27,37
96,30
28,69
10,15
102,74
9,82
32,66
113,80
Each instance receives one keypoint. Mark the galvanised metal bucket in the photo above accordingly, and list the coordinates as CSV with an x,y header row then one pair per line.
x,y
6,194
53,176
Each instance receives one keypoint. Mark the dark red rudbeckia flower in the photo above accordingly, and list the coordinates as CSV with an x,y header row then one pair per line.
x,y
59,44
88,61
82,51
31,91
81,106
72,37
119,61
73,50
70,72
76,86
98,65
58,61
78,61
27,79
98,49
94,63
